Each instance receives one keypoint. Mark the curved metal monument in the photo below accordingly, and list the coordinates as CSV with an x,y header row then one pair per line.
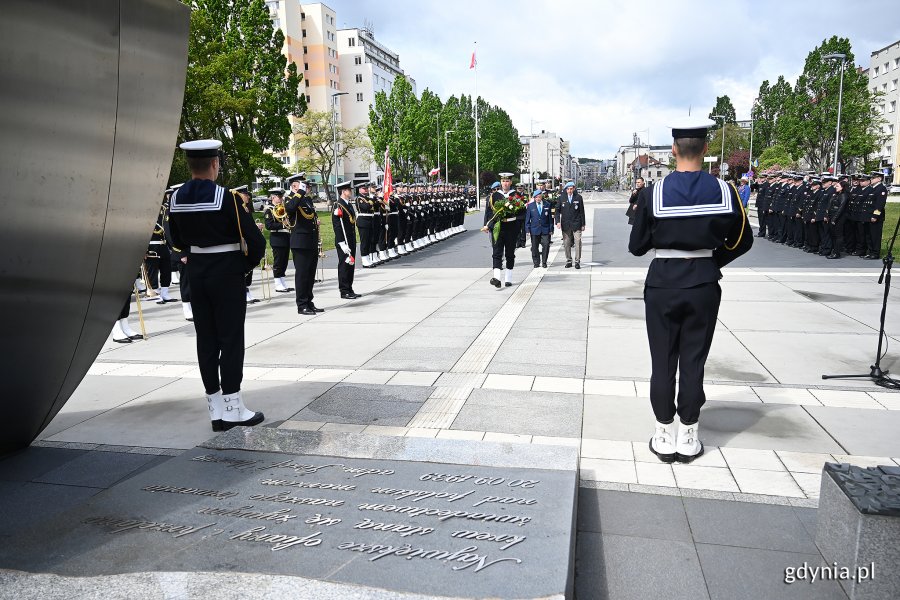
x,y
89,111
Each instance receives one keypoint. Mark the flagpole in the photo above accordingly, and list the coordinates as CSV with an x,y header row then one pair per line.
x,y
477,169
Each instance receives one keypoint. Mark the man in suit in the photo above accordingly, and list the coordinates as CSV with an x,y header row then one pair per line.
x,y
570,219
539,224
304,244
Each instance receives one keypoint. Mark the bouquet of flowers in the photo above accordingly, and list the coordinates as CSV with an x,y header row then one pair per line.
x,y
505,208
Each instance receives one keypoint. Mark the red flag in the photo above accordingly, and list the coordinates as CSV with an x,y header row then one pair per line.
x,y
474,62
388,186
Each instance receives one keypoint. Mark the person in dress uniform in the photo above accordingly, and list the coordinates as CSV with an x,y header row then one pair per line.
x,y
247,205
301,213
279,237
122,331
696,225
179,258
836,215
159,259
365,211
520,189
507,234
875,214
343,220
222,243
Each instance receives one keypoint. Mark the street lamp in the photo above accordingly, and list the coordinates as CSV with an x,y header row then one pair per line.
x,y
437,130
334,132
722,161
837,136
750,166
446,160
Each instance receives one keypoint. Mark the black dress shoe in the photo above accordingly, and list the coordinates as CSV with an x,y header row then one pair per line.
x,y
568,265
833,255
285,290
136,336
123,340
577,265
217,425
872,257
357,295
254,420
508,284
314,308
349,296
544,265
306,311
495,282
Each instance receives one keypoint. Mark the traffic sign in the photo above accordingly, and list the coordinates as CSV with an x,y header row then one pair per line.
x,y
710,159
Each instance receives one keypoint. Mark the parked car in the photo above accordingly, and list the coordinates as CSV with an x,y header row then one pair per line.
x,y
259,203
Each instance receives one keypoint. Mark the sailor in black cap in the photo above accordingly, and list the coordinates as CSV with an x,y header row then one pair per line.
x,y
343,220
305,238
179,258
223,243
365,211
696,224
159,259
500,215
247,205
875,214
279,227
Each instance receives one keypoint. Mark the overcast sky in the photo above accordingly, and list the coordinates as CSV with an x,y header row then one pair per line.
x,y
596,71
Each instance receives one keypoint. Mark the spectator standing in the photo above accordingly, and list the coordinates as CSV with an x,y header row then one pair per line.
x,y
570,220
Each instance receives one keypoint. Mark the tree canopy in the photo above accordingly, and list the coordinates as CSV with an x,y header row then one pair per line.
x,y
239,88
723,108
315,136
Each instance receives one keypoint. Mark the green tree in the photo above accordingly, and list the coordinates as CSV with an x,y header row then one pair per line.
x,y
315,142
767,110
239,87
807,127
736,139
725,108
395,121
775,156
498,138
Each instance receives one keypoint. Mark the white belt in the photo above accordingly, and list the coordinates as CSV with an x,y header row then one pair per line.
x,y
509,219
157,243
215,249
672,253
394,213
365,215
280,231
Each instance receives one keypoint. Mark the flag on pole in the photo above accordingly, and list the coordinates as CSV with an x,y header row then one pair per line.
x,y
473,63
388,186
433,172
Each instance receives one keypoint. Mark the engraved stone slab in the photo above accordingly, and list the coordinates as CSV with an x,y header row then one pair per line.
x,y
433,517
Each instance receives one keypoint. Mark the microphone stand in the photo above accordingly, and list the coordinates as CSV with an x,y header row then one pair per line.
x,y
878,375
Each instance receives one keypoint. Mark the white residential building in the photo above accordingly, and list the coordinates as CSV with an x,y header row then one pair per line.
x,y
884,78
544,152
366,67
626,155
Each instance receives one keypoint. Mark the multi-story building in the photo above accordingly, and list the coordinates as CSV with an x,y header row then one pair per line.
x,y
366,68
544,152
626,155
651,169
884,79
310,42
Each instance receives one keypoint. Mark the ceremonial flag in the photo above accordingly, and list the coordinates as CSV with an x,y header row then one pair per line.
x,y
473,63
433,172
388,186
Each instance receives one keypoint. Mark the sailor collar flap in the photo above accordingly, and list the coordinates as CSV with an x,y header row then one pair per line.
x,y
679,205
197,196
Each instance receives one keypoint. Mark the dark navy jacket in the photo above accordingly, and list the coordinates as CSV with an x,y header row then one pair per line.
x,y
538,223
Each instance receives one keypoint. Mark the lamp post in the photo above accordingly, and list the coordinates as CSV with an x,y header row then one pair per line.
x,y
437,129
722,161
837,136
750,160
334,132
446,159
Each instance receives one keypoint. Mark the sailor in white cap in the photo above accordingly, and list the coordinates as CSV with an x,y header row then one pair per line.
x,y
500,216
696,224
222,243
343,221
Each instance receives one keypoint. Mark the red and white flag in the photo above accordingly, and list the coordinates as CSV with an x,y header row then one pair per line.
x,y
388,186
434,171
474,63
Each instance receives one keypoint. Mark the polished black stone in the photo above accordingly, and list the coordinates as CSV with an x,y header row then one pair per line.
x,y
872,490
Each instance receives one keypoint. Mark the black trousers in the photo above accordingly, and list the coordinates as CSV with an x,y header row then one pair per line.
x,y
812,235
393,228
763,217
219,305
184,283
279,260
345,271
850,238
825,239
365,238
159,268
521,242
126,310
305,262
876,230
507,236
837,236
540,248
680,328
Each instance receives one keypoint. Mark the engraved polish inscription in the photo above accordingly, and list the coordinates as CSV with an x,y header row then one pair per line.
x,y
120,524
466,556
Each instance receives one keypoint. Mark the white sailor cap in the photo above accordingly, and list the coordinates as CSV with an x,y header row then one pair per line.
x,y
242,188
344,184
506,175
298,177
691,127
276,190
201,148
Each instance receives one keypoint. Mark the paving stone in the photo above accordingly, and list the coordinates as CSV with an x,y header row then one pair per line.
x,y
27,504
804,462
535,413
618,471
627,513
858,432
33,462
772,483
742,458
95,469
704,478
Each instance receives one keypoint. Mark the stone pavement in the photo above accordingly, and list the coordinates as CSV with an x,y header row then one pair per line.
x,y
559,358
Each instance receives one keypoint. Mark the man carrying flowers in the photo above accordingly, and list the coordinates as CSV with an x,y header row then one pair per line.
x,y
500,221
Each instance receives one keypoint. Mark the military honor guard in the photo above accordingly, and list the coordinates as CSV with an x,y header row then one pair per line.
x,y
343,220
122,332
279,227
305,243
222,243
247,206
159,259
875,214
365,213
501,221
696,224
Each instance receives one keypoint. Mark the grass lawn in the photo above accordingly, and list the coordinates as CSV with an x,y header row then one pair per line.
x,y
325,231
891,214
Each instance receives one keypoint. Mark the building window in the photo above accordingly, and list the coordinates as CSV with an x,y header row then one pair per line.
x,y
659,173
351,42
308,99
305,50
304,35
276,23
306,66
893,106
886,65
359,97
893,85
307,81
896,62
357,60
358,78
876,71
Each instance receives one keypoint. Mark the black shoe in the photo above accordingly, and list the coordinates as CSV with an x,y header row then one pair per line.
x,y
349,296
666,458
760,235
577,265
872,257
568,265
833,255
495,282
254,420
357,295
314,308
123,340
544,265
685,459
217,425
306,311
285,290
508,284
536,265
136,336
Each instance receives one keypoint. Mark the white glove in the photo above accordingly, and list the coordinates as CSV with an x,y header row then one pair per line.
x,y
344,247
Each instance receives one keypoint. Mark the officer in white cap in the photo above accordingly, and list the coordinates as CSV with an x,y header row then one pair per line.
x,y
504,244
222,243
696,224
343,221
